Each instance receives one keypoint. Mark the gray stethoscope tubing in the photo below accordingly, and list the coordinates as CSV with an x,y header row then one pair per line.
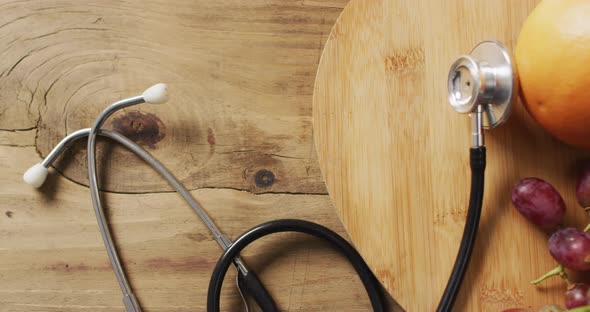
x,y
129,300
222,240
156,95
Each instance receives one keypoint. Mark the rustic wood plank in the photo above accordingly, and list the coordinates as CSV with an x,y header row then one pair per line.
x,y
240,73
52,256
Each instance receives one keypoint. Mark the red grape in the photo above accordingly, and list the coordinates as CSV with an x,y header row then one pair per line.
x,y
577,295
539,202
583,186
571,248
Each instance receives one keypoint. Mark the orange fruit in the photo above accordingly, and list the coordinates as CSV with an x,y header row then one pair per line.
x,y
553,61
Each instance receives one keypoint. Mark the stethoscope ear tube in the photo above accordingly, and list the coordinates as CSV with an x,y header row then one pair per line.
x,y
477,160
369,280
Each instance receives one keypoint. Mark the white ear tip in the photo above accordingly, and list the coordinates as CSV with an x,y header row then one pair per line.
x,y
36,175
156,94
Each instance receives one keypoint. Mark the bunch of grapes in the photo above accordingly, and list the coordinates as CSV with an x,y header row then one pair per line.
x,y
543,206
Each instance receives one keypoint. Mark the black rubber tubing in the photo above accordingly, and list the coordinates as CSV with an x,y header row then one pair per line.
x,y
369,280
477,160
251,284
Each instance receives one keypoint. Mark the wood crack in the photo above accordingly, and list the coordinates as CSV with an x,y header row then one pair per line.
x,y
193,189
16,19
16,63
258,151
19,130
17,145
66,29
282,156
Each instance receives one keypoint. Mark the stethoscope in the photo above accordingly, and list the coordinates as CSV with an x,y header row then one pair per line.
x,y
482,84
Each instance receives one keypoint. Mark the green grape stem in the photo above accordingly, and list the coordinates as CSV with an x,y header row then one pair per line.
x,y
587,228
580,309
556,271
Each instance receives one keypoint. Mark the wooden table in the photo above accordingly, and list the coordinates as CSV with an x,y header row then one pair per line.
x,y
237,132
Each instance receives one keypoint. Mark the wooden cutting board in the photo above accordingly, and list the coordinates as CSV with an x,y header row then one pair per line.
x,y
394,154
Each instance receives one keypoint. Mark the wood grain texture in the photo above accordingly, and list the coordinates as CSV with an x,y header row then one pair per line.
x,y
241,74
52,257
395,155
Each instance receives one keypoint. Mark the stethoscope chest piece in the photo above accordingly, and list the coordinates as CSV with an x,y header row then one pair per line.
x,y
482,84
484,80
